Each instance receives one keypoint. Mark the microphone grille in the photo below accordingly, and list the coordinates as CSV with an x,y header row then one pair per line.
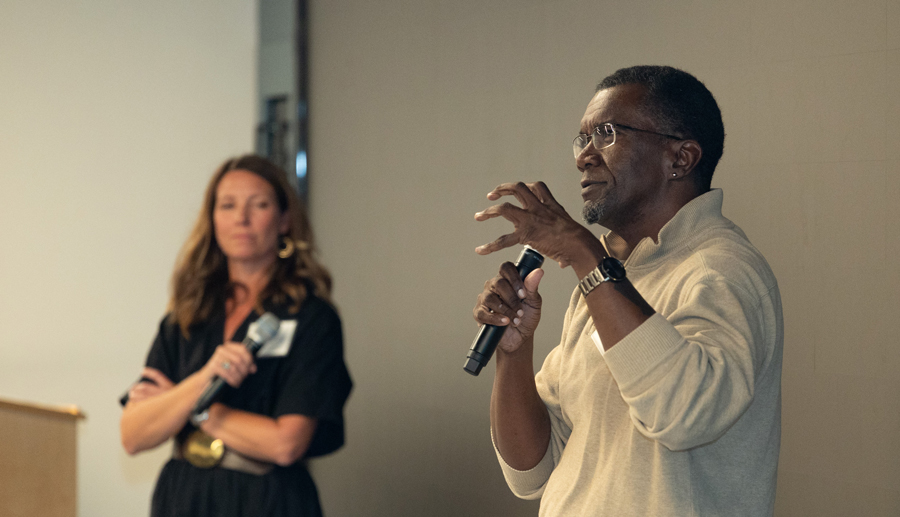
x,y
266,327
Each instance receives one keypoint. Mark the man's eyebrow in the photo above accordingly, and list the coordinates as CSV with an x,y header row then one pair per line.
x,y
592,126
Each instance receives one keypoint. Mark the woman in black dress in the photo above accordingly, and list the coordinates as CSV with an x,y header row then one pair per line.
x,y
250,252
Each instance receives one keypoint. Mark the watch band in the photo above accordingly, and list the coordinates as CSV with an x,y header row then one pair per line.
x,y
608,270
592,280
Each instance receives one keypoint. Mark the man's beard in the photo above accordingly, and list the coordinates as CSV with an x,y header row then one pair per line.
x,y
593,212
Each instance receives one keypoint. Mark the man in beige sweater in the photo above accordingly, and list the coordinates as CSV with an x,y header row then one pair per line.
x,y
663,397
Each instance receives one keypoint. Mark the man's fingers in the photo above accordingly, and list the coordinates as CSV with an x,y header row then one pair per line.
x,y
503,189
505,241
483,315
533,280
528,194
509,272
520,191
506,285
501,301
543,193
508,210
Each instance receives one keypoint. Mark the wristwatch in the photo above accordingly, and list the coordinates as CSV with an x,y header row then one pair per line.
x,y
610,269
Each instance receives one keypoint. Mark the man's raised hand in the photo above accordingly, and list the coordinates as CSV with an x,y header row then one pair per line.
x,y
541,222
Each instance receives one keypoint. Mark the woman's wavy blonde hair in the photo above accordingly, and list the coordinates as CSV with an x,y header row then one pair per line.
x,y
200,282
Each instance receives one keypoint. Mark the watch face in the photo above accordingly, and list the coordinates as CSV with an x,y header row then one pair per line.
x,y
613,268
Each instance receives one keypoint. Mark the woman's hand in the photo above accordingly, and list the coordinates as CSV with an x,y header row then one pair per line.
x,y
153,382
231,361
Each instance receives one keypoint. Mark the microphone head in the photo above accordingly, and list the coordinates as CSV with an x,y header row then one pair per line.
x,y
265,329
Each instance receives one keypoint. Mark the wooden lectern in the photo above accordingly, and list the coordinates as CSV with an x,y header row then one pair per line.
x,y
37,460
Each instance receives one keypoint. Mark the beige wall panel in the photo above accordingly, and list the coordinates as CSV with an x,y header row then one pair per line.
x,y
419,108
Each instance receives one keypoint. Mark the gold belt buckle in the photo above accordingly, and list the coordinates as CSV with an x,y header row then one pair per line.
x,y
202,450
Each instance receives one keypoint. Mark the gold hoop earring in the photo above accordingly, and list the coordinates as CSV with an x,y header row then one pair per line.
x,y
287,248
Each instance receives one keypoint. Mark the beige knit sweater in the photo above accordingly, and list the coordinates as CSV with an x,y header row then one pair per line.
x,y
683,416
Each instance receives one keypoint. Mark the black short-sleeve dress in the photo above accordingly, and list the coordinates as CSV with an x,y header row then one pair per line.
x,y
311,379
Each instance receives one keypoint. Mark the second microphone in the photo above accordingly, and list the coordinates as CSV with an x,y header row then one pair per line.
x,y
265,329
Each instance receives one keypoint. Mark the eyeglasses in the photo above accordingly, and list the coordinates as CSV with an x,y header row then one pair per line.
x,y
604,136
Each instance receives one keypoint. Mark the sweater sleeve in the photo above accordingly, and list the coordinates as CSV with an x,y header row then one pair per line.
x,y
530,484
687,377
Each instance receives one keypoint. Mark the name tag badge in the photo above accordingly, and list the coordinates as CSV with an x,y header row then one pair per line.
x,y
280,345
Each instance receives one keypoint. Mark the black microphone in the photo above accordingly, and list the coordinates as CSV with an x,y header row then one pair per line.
x,y
266,328
489,335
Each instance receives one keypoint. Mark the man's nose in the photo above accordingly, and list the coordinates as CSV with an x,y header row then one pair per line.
x,y
587,157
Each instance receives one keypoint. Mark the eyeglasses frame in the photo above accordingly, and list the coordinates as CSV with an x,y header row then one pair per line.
x,y
577,150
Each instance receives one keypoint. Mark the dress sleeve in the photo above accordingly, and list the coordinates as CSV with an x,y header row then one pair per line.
x,y
315,381
163,354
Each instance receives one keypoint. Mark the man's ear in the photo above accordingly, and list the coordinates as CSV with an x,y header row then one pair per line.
x,y
685,157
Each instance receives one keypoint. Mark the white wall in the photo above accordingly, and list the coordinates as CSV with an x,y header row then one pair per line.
x,y
419,108
112,117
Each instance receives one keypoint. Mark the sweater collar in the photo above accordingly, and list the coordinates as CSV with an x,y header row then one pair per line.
x,y
702,212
